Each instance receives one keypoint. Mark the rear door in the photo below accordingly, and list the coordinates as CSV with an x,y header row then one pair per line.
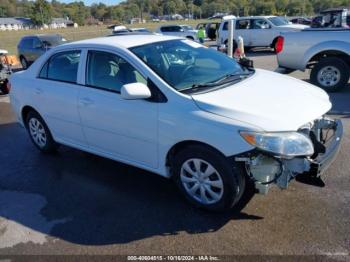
x,y
25,48
56,92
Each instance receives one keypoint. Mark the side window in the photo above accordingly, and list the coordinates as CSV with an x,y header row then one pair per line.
x,y
165,29
27,43
225,26
177,29
37,43
242,24
109,71
62,67
260,24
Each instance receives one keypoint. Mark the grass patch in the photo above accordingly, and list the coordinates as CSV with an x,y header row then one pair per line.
x,y
10,39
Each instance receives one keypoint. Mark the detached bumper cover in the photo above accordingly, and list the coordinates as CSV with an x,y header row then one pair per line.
x,y
323,161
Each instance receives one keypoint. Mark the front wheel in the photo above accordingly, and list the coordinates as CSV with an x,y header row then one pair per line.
x,y
330,73
207,179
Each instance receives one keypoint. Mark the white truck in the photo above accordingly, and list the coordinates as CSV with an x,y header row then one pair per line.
x,y
256,31
325,51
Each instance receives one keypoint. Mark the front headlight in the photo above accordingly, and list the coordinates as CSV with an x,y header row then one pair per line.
x,y
283,143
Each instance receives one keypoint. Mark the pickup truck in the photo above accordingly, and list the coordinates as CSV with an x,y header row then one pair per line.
x,y
325,51
256,31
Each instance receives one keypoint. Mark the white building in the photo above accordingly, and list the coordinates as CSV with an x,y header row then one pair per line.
x,y
15,23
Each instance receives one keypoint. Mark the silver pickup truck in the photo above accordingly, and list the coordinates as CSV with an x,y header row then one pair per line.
x,y
325,51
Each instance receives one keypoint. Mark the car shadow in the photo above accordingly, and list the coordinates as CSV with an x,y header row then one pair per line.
x,y
259,52
90,200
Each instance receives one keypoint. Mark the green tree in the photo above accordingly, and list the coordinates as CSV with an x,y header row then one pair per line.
x,y
41,12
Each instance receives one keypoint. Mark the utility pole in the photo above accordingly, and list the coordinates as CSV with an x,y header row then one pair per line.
x,y
41,13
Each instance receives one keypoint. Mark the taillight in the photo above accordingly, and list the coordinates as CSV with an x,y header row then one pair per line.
x,y
279,44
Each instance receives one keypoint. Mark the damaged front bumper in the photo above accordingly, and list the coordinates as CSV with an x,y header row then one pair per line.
x,y
266,170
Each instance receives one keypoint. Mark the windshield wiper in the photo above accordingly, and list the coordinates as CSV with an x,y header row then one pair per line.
x,y
220,82
233,77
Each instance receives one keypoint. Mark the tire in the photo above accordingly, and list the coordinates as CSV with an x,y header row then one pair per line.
x,y
330,73
226,180
190,38
43,139
24,62
3,88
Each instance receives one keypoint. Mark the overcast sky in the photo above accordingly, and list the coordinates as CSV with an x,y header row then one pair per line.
x,y
89,2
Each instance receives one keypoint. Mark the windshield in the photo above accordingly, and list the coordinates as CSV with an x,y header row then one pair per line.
x,y
184,64
278,21
52,40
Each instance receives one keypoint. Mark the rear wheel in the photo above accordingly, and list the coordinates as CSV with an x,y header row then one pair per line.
x,y
207,179
3,88
40,133
330,73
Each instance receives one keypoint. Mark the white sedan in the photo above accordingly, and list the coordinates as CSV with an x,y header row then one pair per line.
x,y
173,107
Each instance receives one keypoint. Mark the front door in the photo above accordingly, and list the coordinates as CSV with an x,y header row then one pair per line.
x,y
126,130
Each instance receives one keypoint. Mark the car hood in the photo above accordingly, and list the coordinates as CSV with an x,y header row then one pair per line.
x,y
293,27
267,100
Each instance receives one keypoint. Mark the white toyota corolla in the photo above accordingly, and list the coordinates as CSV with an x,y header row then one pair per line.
x,y
176,108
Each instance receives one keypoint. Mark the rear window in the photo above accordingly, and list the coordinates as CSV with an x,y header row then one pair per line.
x,y
62,67
26,43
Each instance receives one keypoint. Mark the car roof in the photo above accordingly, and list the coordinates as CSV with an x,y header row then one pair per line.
x,y
41,35
253,17
170,25
124,41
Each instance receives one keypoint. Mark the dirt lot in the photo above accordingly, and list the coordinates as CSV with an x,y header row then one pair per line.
x,y
77,203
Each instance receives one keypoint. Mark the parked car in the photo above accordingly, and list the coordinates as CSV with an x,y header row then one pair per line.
x,y
301,20
31,47
333,18
120,29
171,106
5,71
210,29
256,31
325,51
140,30
178,30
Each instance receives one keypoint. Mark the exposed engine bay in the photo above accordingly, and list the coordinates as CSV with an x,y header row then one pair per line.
x,y
266,169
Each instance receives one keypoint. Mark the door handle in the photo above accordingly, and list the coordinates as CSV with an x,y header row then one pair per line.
x,y
38,91
86,101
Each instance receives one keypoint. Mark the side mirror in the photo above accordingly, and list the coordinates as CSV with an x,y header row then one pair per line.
x,y
135,91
